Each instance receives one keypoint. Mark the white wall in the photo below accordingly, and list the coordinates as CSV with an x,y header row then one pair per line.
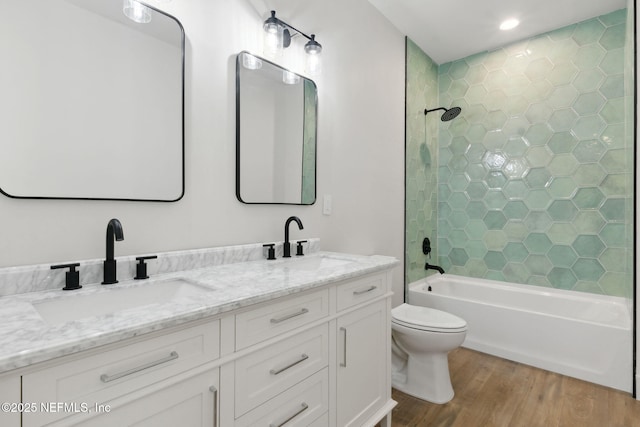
x,y
360,147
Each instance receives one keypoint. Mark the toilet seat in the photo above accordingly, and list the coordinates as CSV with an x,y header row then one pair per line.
x,y
427,319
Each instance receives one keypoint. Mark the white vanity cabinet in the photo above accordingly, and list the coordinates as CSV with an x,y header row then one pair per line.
x,y
318,357
363,359
322,358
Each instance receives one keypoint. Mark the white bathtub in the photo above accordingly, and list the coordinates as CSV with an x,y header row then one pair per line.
x,y
582,335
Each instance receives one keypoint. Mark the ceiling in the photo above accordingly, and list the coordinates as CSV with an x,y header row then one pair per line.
x,y
452,29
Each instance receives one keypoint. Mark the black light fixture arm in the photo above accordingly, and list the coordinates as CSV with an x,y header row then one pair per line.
x,y
284,24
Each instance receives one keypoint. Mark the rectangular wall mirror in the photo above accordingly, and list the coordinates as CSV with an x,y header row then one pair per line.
x,y
276,116
92,102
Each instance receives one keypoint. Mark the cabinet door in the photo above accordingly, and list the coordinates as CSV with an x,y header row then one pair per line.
x,y
193,402
10,393
362,355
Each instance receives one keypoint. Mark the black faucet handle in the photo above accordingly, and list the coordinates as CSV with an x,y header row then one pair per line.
x,y
271,252
141,267
426,246
300,250
72,277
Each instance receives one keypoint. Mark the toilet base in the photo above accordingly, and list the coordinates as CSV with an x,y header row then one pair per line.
x,y
427,379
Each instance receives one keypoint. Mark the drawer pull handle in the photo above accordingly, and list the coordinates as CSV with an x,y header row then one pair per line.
x,y
289,316
371,288
304,408
108,378
303,357
344,348
214,390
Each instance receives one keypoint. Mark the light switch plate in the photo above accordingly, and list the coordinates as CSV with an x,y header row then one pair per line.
x,y
327,205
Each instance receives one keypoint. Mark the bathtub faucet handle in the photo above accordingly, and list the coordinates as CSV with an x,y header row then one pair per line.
x,y
426,246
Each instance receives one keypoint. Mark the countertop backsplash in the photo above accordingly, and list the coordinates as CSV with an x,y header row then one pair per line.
x,y
40,277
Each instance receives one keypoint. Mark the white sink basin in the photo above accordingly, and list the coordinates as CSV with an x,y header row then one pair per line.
x,y
74,307
316,263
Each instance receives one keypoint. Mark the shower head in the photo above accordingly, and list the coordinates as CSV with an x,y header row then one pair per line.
x,y
449,114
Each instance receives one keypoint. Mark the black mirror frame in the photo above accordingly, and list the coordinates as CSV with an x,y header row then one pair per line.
x,y
182,132
315,169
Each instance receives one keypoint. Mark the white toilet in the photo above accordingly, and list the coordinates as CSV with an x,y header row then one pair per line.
x,y
421,339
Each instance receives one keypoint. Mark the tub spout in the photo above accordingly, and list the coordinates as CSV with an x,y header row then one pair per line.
x,y
428,266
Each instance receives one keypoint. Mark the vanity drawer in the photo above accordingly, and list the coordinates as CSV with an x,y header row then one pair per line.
x,y
301,405
268,372
360,290
100,377
273,319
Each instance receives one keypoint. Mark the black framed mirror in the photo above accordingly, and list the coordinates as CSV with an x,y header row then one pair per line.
x,y
93,102
276,132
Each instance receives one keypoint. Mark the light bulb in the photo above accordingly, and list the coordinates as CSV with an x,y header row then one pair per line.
x,y
314,65
273,36
313,50
273,43
271,24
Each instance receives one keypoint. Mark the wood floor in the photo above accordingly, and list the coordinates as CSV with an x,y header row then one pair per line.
x,y
493,392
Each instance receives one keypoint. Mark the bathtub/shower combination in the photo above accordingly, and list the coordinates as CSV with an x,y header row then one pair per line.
x,y
581,335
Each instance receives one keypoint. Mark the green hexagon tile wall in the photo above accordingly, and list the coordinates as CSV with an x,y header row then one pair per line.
x,y
533,182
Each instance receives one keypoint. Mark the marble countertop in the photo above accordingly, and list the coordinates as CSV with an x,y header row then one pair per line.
x,y
26,338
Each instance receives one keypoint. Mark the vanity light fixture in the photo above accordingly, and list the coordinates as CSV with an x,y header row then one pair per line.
x,y
313,50
136,11
278,37
509,24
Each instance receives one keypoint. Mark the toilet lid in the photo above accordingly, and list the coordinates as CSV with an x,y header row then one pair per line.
x,y
426,318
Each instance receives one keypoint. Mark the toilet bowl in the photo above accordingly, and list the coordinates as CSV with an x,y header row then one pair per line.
x,y
421,339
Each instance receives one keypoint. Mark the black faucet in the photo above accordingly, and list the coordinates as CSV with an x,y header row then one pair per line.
x,y
428,266
287,246
114,232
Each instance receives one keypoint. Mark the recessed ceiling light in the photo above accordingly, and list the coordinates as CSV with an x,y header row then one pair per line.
x,y
509,24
